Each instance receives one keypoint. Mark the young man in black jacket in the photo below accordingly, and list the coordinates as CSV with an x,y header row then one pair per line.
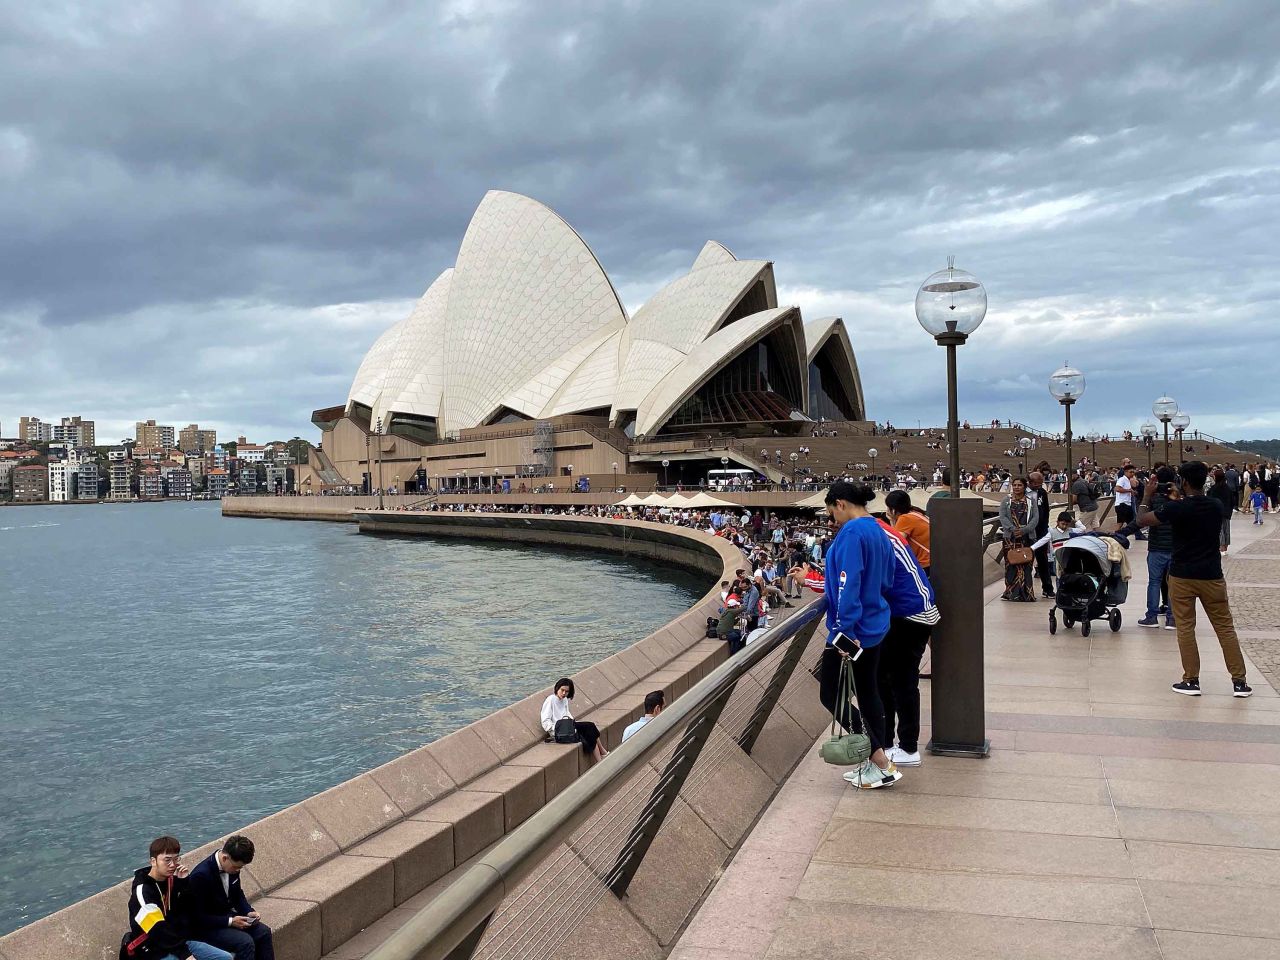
x,y
217,908
157,925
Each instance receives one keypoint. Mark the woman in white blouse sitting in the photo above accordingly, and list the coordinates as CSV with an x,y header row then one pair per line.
x,y
556,708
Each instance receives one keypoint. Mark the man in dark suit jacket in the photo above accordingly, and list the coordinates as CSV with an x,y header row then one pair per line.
x,y
217,907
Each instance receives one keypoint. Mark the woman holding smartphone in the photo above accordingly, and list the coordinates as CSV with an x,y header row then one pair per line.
x,y
859,575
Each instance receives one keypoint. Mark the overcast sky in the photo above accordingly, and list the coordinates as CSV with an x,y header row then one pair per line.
x,y
210,210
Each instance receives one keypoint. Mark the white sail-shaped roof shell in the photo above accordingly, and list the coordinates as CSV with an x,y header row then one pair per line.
x,y
527,322
414,383
525,291
708,357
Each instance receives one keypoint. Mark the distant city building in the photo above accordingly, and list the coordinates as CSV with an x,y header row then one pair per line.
x,y
31,483
87,480
150,435
217,457
277,478
196,466
34,430
150,484
251,452
7,466
246,477
177,481
62,481
75,430
215,482
191,439
121,471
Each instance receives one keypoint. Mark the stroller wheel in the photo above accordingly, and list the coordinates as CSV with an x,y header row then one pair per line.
x,y
1114,619
1053,622
1085,627
1068,621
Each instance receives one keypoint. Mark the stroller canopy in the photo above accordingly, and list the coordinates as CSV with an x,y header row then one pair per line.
x,y
1092,546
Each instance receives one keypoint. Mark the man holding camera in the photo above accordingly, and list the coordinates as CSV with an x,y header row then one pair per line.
x,y
219,911
1195,573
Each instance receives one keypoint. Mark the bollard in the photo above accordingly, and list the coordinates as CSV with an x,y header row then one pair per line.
x,y
958,703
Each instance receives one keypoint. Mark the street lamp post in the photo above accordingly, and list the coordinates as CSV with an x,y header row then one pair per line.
x,y
793,458
379,463
1025,445
1180,423
615,476
665,464
1164,409
368,463
1148,439
1093,438
1066,385
873,453
950,305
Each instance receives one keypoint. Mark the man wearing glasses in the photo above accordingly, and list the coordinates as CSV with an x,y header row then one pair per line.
x,y
157,898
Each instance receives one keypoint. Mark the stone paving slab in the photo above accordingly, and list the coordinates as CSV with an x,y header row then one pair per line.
x,y
1114,818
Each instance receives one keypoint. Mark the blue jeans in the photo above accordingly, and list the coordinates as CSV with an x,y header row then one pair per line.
x,y
202,951
1157,566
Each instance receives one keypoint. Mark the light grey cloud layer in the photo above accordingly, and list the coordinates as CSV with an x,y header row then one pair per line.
x,y
210,211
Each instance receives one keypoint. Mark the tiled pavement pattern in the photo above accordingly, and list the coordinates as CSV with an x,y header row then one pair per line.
x,y
1114,818
1253,571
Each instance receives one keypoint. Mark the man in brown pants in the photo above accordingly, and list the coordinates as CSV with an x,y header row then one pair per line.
x,y
1195,573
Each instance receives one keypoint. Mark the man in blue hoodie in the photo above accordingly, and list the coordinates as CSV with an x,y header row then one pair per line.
x,y
859,575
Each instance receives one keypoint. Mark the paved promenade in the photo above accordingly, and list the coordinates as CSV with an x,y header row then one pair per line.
x,y
1114,818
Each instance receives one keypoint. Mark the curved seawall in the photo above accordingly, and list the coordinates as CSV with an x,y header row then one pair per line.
x,y
333,864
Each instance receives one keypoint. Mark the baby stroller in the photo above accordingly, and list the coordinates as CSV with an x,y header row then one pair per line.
x,y
1089,586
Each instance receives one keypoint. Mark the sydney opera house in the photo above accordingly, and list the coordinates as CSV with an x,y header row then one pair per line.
x,y
521,362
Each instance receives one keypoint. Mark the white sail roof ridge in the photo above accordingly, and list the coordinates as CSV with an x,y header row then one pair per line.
x,y
707,358
414,381
712,253
366,387
525,290
534,395
817,333
675,320
593,383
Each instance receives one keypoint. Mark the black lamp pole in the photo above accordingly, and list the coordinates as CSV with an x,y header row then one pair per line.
x,y
951,341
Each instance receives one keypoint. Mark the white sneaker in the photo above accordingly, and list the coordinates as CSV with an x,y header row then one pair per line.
x,y
901,758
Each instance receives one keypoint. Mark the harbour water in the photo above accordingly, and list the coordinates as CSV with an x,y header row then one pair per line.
x,y
168,670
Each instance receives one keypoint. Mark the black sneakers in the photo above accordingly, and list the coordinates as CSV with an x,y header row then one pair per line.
x,y
1242,689
1190,687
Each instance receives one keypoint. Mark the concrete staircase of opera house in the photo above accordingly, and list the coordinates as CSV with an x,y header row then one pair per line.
x,y
834,454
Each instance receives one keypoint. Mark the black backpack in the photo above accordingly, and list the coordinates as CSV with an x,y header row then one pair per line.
x,y
713,625
566,731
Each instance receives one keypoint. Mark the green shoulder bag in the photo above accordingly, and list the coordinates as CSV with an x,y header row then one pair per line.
x,y
850,749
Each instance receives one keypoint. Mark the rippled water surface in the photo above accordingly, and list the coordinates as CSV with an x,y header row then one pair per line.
x,y
167,670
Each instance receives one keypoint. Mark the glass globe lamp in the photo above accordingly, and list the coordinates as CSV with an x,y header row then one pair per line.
x,y
1066,384
1180,421
1164,408
1149,429
951,303
873,453
1025,443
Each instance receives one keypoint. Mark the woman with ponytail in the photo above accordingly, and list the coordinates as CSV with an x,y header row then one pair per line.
x,y
859,575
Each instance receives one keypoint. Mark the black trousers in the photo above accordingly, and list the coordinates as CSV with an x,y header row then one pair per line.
x,y
1043,569
253,943
899,681
868,716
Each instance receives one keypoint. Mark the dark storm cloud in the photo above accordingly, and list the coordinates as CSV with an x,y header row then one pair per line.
x,y
174,174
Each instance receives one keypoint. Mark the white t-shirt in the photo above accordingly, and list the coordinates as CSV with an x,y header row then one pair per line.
x,y
1124,490
553,709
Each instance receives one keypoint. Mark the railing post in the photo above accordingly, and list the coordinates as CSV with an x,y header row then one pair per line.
x,y
773,692
664,796
467,948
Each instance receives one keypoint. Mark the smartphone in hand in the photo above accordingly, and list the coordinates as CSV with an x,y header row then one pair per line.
x,y
847,645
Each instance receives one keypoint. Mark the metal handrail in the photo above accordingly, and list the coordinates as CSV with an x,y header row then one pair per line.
x,y
452,925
